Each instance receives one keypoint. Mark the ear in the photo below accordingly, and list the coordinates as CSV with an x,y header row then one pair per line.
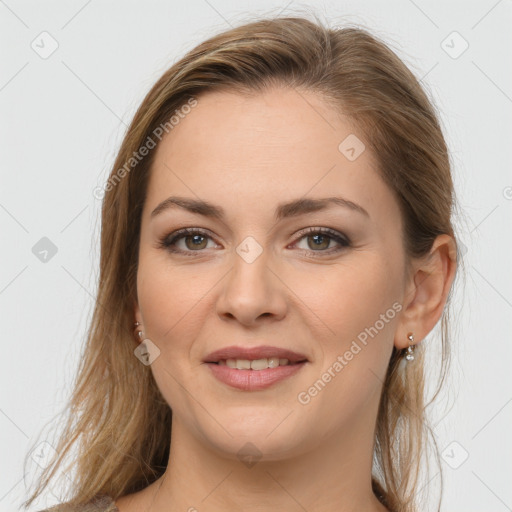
x,y
137,317
426,291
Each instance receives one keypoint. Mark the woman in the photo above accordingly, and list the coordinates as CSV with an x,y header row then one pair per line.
x,y
276,245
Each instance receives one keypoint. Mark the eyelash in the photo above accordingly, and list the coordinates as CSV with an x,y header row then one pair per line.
x,y
169,241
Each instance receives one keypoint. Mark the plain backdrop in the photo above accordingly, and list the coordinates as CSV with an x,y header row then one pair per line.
x,y
72,74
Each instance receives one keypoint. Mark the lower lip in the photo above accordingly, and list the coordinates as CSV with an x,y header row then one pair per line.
x,y
253,380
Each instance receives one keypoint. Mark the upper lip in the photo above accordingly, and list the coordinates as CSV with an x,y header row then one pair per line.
x,y
251,353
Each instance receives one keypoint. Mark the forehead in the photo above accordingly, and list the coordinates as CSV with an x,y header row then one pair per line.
x,y
277,145
286,122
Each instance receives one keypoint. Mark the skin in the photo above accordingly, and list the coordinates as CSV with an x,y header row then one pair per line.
x,y
248,154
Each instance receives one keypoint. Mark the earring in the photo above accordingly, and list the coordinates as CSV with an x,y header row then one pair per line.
x,y
409,356
140,334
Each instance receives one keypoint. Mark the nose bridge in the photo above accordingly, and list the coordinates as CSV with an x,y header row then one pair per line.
x,y
251,290
249,277
250,250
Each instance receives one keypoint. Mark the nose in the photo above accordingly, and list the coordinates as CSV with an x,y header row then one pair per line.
x,y
252,292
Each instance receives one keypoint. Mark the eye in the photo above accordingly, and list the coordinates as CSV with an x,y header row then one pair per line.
x,y
319,239
195,240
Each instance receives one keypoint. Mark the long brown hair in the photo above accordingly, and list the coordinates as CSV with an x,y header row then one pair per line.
x,y
118,421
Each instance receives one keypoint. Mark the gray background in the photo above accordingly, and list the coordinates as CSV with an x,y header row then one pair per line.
x,y
62,118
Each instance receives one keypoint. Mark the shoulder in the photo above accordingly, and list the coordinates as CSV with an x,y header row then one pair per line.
x,y
99,504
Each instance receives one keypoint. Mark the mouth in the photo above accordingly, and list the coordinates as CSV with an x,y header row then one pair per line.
x,y
254,358
257,364
252,369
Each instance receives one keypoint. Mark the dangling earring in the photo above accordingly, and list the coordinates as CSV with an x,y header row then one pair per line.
x,y
409,356
140,333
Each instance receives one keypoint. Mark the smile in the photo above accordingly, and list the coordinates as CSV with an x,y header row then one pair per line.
x,y
254,368
255,364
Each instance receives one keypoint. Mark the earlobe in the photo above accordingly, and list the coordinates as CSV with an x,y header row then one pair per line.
x,y
137,324
427,291
139,333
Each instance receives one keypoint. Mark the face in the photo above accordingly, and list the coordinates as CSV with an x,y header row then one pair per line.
x,y
325,283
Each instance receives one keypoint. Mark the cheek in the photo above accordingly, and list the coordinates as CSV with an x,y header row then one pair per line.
x,y
171,308
349,297
170,301
358,304
358,307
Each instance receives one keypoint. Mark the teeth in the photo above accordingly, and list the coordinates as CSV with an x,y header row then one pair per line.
x,y
259,364
255,364
274,361
243,364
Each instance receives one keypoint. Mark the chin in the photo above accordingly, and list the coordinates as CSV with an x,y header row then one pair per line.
x,y
265,437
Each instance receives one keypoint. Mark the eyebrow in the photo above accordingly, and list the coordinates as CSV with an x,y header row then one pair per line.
x,y
283,210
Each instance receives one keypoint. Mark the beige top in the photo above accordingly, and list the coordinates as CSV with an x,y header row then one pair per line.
x,y
102,504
